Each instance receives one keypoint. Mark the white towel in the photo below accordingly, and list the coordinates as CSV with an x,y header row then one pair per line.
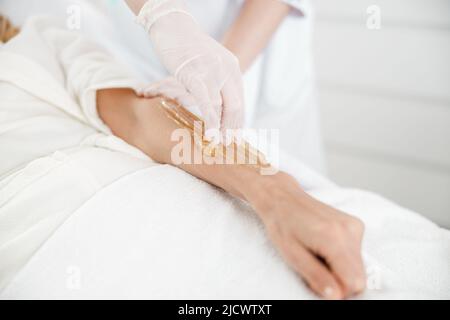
x,y
161,233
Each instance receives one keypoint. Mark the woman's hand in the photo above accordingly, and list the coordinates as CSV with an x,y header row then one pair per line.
x,y
207,69
320,243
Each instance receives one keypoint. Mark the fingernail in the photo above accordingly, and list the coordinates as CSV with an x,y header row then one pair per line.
x,y
360,284
328,292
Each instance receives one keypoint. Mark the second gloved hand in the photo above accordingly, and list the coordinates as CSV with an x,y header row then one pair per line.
x,y
207,69
170,88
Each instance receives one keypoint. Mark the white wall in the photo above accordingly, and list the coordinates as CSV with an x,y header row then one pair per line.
x,y
385,99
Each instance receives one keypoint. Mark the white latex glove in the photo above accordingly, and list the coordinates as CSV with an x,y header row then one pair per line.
x,y
173,89
207,69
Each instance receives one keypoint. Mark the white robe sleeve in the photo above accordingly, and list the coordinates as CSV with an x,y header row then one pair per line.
x,y
78,66
87,69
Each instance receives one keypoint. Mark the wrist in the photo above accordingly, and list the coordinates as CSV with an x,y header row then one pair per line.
x,y
257,188
269,191
241,181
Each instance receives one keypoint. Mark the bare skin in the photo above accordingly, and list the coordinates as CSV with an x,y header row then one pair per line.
x,y
322,244
248,36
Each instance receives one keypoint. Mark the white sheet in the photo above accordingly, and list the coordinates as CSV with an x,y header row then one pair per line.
x,y
160,233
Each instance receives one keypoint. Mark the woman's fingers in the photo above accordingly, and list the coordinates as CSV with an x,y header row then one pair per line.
x,y
341,250
348,270
305,263
327,246
315,273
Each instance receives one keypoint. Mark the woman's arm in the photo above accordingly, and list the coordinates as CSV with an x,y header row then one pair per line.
x,y
253,29
320,243
143,124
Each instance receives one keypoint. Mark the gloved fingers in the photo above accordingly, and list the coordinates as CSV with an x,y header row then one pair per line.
x,y
155,88
147,92
214,104
188,102
211,118
170,88
209,102
233,106
175,90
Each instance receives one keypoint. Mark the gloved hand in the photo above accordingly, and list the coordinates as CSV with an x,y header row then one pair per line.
x,y
208,70
170,88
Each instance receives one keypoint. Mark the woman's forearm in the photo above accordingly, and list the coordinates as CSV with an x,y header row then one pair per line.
x,y
141,123
253,29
